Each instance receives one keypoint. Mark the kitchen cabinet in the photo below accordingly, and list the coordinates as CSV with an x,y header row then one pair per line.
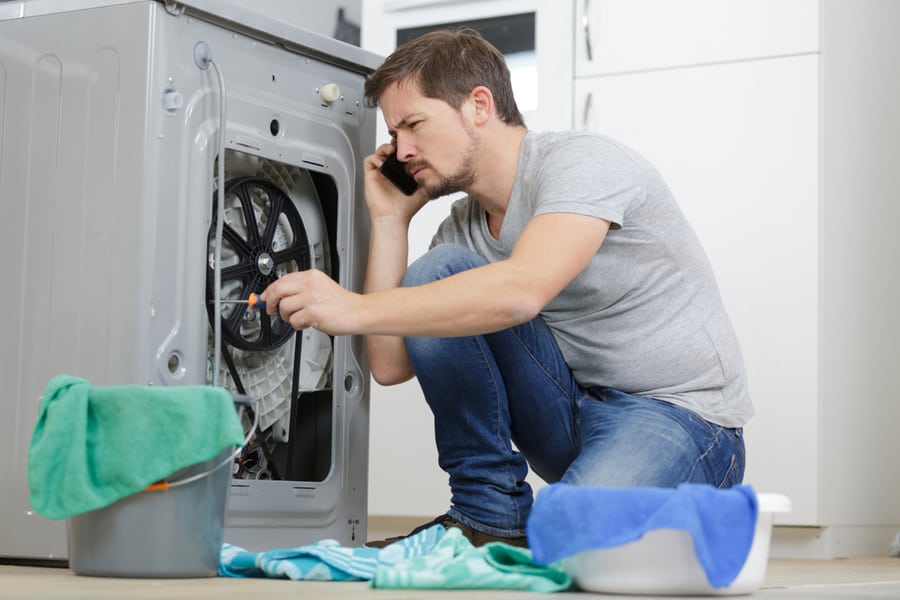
x,y
615,36
773,124
738,145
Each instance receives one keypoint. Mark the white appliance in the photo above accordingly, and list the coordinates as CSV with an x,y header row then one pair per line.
x,y
111,123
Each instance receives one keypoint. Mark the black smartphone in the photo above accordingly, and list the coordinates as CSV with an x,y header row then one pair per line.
x,y
395,171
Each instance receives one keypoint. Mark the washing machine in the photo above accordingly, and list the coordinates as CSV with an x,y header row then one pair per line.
x,y
157,158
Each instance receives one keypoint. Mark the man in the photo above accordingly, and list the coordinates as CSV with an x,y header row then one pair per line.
x,y
565,306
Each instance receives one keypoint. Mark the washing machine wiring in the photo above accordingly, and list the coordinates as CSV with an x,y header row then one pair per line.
x,y
203,58
220,223
229,460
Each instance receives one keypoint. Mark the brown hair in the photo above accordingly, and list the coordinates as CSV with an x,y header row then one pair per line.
x,y
448,65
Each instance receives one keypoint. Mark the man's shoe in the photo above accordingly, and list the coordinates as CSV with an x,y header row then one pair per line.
x,y
476,537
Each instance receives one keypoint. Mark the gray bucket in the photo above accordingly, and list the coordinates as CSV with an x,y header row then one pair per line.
x,y
174,532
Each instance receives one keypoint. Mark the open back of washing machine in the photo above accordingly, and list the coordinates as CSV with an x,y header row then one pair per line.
x,y
110,148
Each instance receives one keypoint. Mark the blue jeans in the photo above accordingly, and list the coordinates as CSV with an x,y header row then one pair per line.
x,y
507,400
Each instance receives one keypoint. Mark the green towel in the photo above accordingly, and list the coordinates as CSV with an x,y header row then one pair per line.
x,y
93,446
456,564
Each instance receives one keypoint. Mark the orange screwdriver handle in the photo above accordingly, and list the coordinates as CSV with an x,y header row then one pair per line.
x,y
255,302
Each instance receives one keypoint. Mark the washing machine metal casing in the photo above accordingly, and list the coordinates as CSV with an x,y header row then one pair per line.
x,y
108,146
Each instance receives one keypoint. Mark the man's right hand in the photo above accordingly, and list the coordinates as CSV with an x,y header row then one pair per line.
x,y
382,197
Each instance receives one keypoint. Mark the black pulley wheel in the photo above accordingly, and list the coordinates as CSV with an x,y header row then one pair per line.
x,y
263,238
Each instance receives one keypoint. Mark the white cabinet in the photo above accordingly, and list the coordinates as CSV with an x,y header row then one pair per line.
x,y
738,145
730,118
614,36
776,126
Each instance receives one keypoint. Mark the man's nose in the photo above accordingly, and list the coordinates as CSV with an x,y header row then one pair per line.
x,y
406,151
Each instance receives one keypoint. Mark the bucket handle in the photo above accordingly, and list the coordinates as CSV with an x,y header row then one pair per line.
x,y
243,401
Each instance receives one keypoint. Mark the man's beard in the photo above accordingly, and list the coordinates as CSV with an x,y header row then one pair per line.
x,y
449,184
460,180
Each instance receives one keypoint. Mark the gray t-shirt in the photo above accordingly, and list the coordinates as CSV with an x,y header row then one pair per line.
x,y
645,317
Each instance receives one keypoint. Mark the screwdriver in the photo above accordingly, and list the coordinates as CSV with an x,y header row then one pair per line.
x,y
253,301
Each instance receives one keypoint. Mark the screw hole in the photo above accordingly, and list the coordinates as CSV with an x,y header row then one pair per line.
x,y
348,382
274,127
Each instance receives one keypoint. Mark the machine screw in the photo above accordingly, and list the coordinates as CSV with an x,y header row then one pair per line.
x,y
265,263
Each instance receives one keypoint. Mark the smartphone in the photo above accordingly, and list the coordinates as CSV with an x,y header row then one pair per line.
x,y
395,171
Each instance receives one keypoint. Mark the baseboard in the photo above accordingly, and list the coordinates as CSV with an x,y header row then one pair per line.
x,y
831,542
381,527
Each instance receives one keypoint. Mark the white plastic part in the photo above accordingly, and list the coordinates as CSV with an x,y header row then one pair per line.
x,y
268,376
330,92
172,100
202,55
663,562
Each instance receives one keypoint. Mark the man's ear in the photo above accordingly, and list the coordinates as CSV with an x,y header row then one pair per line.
x,y
483,102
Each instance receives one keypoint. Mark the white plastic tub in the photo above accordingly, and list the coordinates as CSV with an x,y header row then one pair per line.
x,y
663,562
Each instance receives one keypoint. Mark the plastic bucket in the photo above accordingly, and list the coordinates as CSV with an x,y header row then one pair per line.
x,y
166,531
173,532
663,562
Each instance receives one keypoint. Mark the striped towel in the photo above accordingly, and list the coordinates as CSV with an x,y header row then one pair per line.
x,y
325,560
456,564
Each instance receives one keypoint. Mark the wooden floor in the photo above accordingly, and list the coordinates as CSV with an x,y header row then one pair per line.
x,y
791,579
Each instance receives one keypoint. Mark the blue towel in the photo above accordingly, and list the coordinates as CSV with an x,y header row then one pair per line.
x,y
325,560
566,520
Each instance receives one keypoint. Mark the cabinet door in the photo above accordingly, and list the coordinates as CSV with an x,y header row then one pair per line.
x,y
615,36
738,145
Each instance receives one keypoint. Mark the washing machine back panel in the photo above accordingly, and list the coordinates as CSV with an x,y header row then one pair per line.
x,y
274,111
312,134
108,141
